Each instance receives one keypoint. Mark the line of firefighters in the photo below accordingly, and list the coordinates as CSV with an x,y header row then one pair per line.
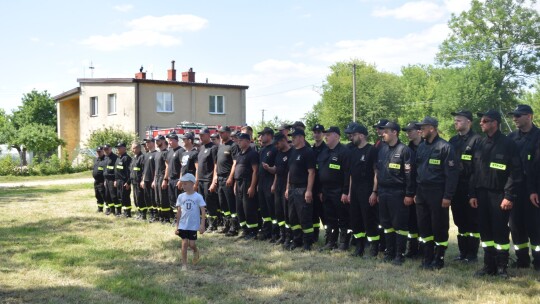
x,y
387,197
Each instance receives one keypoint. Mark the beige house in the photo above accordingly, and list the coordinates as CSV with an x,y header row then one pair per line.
x,y
136,104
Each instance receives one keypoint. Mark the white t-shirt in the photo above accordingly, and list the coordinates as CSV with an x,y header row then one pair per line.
x,y
191,212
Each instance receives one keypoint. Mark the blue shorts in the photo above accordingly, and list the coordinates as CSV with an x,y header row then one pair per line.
x,y
187,234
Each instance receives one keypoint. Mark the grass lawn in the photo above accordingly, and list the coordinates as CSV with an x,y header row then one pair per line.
x,y
13,179
55,249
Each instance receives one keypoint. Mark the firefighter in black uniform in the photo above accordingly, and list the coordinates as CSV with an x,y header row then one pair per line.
x,y
318,212
334,166
111,197
521,223
206,160
122,179
437,177
136,177
380,130
493,190
363,214
148,177
413,246
281,172
214,137
299,192
245,177
267,158
223,180
172,174
160,184
189,155
533,185
395,190
99,180
465,217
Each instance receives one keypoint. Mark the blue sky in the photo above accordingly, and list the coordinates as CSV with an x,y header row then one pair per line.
x,y
281,49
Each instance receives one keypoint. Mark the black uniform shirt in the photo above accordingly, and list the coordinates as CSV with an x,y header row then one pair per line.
x,y
395,165
99,167
207,159
174,162
526,143
464,146
110,162
436,165
282,166
363,161
123,162
497,166
160,160
136,168
267,154
300,161
244,162
189,159
149,166
225,155
334,168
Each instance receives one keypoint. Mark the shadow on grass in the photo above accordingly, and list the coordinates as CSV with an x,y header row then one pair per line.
x,y
29,193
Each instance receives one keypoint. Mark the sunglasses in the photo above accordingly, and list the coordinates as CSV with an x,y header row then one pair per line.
x,y
517,115
485,121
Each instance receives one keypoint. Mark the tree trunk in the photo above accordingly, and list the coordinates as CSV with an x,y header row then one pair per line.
x,y
22,155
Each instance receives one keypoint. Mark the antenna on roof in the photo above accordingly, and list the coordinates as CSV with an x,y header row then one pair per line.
x,y
91,67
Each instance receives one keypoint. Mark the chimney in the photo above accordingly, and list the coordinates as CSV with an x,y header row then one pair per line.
x,y
171,74
140,75
188,76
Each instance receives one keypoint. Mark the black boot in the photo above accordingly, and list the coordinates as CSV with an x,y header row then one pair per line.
x,y
332,239
438,261
127,213
282,236
373,249
390,252
226,225
429,248
316,233
288,239
490,263
108,211
359,247
401,244
118,211
472,249
412,248
536,259
523,258
344,239
234,227
502,263
99,209
143,215
152,215
382,241
275,234
463,246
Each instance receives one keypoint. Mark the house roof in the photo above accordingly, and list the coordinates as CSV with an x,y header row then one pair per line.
x,y
180,83
72,92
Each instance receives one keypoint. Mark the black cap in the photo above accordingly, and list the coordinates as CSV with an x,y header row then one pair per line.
x,y
160,137
266,130
172,135
318,127
391,125
121,145
428,120
100,148
214,135
381,123
522,109
298,124
284,127
188,135
277,138
243,136
493,114
297,132
411,126
333,129
204,131
356,128
465,113
224,129
235,134
149,140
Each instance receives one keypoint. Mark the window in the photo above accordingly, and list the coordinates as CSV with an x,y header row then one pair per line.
x,y
164,102
93,106
217,104
111,104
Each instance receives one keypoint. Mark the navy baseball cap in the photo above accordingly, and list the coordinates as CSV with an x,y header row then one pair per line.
x,y
149,140
204,131
188,135
121,145
522,110
333,129
243,136
160,137
493,114
106,146
356,128
277,138
297,132
428,120
99,148
318,128
172,135
266,130
392,125
214,135
464,113
381,123
411,126
224,129
284,127
298,124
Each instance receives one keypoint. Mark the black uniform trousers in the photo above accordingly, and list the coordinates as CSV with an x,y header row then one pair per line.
x,y
246,207
433,219
363,217
393,213
318,211
111,194
227,201
138,197
99,192
173,192
150,196
533,227
211,199
266,205
465,217
493,221
162,198
300,216
123,195
281,206
519,220
336,213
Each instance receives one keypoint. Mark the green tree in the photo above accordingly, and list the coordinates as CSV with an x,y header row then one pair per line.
x,y
110,136
37,107
504,33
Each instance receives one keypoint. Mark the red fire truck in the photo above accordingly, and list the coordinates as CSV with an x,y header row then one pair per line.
x,y
184,127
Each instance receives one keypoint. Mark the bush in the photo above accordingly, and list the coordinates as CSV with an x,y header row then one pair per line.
x,y
110,136
8,165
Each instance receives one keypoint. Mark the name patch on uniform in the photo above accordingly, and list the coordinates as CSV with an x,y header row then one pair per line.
x,y
396,155
334,166
466,157
136,168
394,166
497,166
119,167
110,167
434,161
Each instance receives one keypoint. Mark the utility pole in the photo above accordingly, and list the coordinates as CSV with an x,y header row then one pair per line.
x,y
354,93
262,120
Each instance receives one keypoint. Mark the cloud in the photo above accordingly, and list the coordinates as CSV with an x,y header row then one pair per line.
x,y
457,6
148,31
423,11
34,39
123,7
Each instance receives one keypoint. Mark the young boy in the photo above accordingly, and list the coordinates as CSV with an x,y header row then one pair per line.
x,y
190,206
